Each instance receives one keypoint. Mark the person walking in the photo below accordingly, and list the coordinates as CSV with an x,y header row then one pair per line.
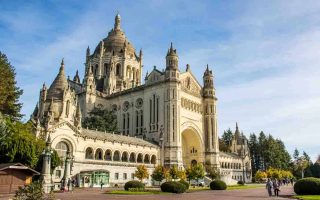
x,y
101,184
269,187
276,187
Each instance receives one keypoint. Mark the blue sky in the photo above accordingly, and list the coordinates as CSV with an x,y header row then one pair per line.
x,y
264,54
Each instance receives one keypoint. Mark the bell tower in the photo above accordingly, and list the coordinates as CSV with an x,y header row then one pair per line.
x,y
210,120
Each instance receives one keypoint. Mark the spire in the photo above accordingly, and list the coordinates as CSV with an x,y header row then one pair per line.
x,y
62,65
172,58
117,22
88,51
237,132
59,84
76,78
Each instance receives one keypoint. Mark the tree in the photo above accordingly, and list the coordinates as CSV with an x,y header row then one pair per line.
x,y
9,92
223,147
101,119
159,173
295,154
227,137
198,171
190,174
181,174
141,172
174,172
213,173
260,175
18,143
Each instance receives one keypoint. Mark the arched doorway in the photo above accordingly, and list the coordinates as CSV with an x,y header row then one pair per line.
x,y
192,149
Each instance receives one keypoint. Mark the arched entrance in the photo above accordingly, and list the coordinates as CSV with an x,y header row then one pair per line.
x,y
192,150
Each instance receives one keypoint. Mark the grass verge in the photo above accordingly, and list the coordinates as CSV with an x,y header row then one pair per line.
x,y
241,187
308,197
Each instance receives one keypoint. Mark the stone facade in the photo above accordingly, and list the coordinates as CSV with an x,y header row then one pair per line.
x,y
170,119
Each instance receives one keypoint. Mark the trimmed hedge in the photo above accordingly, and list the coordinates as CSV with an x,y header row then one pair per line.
x,y
133,184
173,187
240,183
307,186
185,183
218,185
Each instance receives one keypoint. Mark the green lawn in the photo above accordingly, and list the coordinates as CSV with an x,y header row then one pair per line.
x,y
308,197
124,192
240,187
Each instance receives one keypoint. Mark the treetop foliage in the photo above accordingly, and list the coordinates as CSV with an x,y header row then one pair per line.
x,y
9,92
100,119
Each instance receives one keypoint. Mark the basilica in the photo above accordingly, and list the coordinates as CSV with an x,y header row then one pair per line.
x,y
166,118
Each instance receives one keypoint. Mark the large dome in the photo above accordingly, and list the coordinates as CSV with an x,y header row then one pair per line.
x,y
116,40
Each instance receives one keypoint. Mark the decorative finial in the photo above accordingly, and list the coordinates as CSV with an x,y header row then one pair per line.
x,y
62,62
188,67
117,22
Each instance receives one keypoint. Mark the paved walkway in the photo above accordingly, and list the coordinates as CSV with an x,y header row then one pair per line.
x,y
254,194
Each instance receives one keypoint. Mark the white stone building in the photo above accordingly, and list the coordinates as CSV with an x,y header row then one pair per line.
x,y
170,119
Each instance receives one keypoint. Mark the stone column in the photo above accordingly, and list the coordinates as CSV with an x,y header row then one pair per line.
x,y
66,175
46,167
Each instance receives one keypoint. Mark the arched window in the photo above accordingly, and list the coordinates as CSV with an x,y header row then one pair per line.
x,y
67,108
132,157
118,69
98,154
108,154
153,159
62,149
116,156
89,153
139,159
124,157
147,159
193,162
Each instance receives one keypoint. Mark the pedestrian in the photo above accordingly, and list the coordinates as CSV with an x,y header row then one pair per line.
x,y
276,187
101,184
269,187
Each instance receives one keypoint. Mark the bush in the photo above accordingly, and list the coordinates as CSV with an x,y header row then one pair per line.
x,y
173,187
307,186
133,184
185,183
240,183
218,185
32,191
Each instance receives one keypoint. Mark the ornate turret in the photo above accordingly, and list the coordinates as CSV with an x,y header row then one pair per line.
x,y
76,78
89,81
59,84
208,88
172,58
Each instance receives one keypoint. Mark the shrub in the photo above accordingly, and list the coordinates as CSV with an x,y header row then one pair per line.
x,y
185,183
240,183
218,185
307,186
32,191
133,184
173,187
